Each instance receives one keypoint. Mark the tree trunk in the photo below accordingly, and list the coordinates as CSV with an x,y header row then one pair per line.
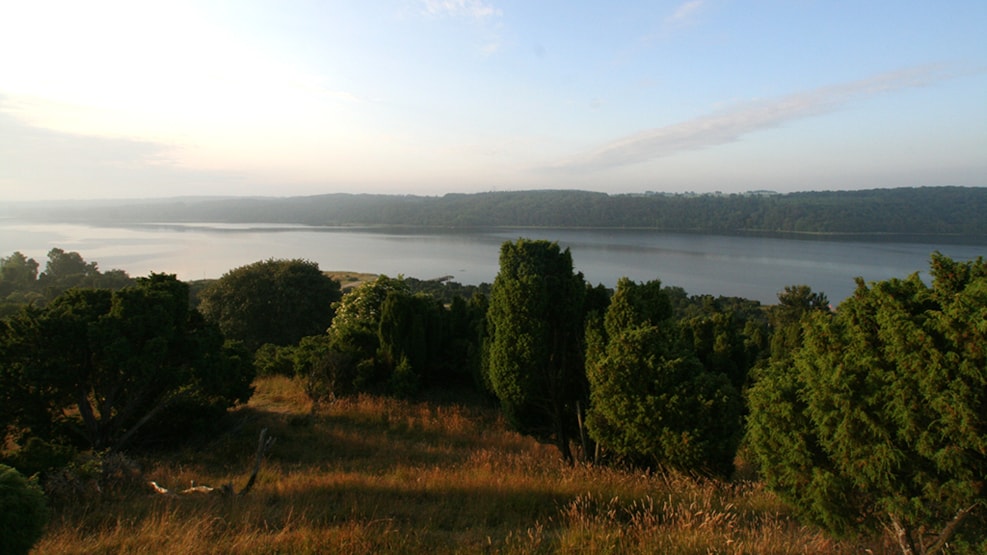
x,y
949,531
901,536
583,438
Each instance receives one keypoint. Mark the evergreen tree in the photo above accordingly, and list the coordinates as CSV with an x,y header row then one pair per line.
x,y
651,399
878,419
534,361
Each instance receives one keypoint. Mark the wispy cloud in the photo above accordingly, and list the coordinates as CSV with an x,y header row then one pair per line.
x,y
684,12
38,163
471,9
730,125
479,12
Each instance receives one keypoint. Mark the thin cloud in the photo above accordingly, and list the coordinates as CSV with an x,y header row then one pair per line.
x,y
471,9
479,12
684,12
730,125
38,163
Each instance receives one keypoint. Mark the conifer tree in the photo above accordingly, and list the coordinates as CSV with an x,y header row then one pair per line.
x,y
880,418
651,399
534,361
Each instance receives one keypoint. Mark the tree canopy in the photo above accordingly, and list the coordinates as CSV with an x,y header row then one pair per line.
x,y
21,284
97,366
271,301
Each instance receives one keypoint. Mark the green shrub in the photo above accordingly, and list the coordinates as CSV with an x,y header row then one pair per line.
x,y
23,513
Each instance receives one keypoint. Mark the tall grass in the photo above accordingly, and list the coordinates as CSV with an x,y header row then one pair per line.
x,y
377,475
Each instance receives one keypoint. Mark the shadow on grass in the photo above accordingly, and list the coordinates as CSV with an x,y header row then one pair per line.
x,y
441,507
366,442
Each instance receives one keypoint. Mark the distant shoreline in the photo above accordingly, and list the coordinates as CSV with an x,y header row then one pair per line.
x,y
945,214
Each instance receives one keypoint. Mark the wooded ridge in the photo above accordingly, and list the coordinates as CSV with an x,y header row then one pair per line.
x,y
956,211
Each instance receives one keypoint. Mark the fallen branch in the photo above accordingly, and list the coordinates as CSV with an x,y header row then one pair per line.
x,y
264,444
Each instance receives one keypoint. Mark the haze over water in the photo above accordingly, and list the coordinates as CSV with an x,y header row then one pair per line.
x,y
752,267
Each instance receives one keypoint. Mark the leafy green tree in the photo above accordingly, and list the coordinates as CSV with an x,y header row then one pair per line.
x,y
20,283
17,273
651,400
382,326
312,364
274,360
100,366
879,419
355,333
23,513
271,301
66,270
534,360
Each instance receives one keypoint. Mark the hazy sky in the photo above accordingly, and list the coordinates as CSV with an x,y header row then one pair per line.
x,y
106,99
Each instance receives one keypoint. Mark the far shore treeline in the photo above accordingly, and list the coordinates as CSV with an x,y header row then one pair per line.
x,y
941,211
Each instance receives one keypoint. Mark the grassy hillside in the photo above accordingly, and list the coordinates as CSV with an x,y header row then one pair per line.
x,y
376,475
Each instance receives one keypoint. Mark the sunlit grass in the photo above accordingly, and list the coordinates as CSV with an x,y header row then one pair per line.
x,y
377,475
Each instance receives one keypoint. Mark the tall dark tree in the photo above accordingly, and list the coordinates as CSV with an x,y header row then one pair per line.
x,y
102,366
271,301
878,418
412,329
465,324
534,361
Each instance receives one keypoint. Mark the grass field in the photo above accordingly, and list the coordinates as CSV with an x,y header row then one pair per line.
x,y
377,475
350,280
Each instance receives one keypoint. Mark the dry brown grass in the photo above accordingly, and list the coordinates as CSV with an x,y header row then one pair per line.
x,y
376,475
349,280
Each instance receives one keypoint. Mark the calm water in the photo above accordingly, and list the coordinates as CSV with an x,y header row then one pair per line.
x,y
752,267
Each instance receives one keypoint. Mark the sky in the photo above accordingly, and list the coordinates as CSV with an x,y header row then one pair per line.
x,y
145,99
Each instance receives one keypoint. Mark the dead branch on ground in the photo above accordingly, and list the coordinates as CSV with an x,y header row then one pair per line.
x,y
264,444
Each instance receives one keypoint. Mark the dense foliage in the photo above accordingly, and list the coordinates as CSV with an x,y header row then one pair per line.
x,y
927,210
879,416
94,367
534,360
20,282
23,513
271,301
652,401
386,339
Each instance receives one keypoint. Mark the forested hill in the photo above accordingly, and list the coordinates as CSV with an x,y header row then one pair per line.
x,y
928,210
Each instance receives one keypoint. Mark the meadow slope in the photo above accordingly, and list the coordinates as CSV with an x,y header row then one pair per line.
x,y
378,475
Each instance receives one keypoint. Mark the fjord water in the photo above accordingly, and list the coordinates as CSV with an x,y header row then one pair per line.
x,y
752,267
